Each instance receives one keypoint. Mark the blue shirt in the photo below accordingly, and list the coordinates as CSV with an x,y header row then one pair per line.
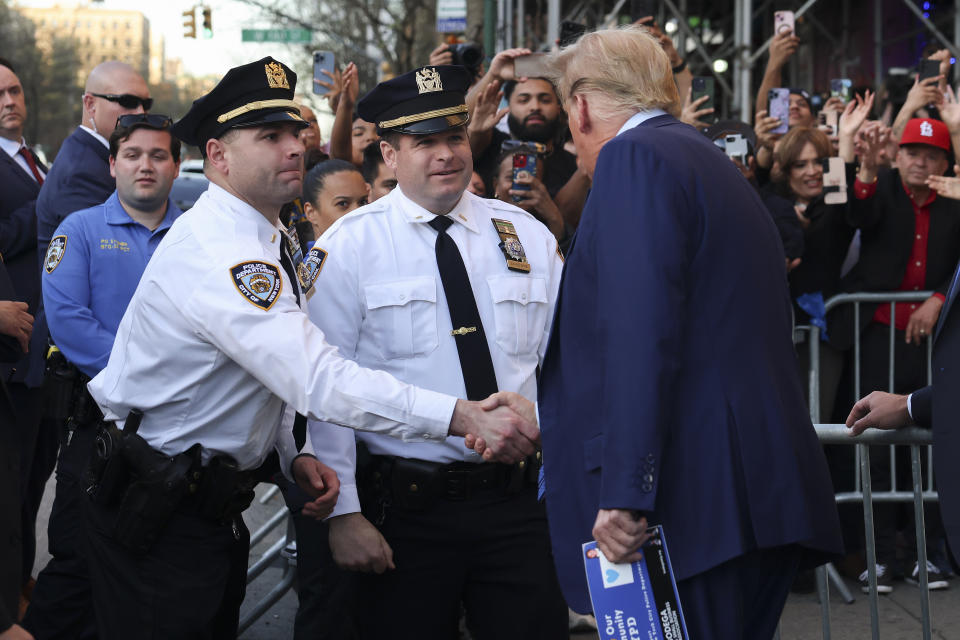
x,y
91,269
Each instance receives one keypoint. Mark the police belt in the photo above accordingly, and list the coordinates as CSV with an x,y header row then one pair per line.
x,y
411,481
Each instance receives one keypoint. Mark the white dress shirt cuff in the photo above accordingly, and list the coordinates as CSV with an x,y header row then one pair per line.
x,y
910,406
432,413
347,502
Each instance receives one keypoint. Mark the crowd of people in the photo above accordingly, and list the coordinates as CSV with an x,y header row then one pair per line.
x,y
194,319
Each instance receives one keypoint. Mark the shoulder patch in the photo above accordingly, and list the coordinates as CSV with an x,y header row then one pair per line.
x,y
259,282
55,251
309,269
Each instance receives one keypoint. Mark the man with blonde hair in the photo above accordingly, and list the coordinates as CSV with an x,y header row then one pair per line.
x,y
668,393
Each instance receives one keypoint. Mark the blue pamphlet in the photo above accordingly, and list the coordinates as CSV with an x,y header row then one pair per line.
x,y
637,600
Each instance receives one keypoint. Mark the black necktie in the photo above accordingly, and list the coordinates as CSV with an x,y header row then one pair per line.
x,y
287,265
475,361
300,422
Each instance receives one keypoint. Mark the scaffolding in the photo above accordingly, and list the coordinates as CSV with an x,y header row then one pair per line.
x,y
740,19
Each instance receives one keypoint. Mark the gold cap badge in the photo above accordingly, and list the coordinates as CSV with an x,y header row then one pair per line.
x,y
276,76
429,80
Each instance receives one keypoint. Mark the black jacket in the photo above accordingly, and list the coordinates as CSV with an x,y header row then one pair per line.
x,y
887,226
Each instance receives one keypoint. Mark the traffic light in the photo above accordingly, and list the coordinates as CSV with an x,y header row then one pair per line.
x,y
207,22
190,23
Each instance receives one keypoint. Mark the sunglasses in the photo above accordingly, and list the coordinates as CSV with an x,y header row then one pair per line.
x,y
127,101
152,120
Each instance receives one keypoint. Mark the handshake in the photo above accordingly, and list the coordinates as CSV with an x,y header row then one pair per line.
x,y
502,428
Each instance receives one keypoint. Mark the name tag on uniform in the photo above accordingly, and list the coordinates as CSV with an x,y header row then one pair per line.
x,y
636,600
510,245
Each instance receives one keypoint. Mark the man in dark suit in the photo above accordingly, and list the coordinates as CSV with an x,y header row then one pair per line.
x,y
669,393
16,325
22,174
80,177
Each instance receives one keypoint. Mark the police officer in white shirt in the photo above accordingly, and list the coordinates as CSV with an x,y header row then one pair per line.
x,y
212,347
453,293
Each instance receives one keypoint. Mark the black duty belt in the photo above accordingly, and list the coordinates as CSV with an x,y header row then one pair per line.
x,y
410,480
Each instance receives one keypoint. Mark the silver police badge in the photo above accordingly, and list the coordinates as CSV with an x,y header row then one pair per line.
x,y
258,282
58,246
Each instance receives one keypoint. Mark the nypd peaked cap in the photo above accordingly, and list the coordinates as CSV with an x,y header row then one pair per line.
x,y
423,101
249,95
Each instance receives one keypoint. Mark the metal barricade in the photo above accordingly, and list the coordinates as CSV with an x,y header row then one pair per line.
x,y
269,558
838,434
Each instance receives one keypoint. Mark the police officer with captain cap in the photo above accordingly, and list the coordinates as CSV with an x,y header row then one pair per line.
x,y
211,350
453,293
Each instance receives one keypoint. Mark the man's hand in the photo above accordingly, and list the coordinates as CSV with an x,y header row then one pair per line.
x,y
501,67
356,545
782,47
537,200
619,535
16,322
923,320
879,410
486,115
950,111
922,93
949,187
873,151
692,112
441,55
320,482
499,433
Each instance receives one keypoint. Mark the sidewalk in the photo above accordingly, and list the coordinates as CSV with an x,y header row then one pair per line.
x,y
899,611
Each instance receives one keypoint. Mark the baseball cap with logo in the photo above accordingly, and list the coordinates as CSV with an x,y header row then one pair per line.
x,y
926,131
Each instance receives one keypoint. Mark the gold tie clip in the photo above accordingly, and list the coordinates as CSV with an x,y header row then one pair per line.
x,y
463,331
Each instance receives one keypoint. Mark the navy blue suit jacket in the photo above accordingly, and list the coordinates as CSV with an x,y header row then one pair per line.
x,y
938,411
670,384
18,248
79,179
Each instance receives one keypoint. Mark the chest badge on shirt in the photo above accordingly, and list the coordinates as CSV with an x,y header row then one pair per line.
x,y
58,246
510,245
258,282
309,269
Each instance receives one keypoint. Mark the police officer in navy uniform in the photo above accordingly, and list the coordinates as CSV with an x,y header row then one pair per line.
x,y
212,351
93,264
454,293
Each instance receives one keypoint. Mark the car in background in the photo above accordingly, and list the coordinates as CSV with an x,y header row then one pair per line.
x,y
189,184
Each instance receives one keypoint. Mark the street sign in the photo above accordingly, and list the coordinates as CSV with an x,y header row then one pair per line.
x,y
304,36
451,16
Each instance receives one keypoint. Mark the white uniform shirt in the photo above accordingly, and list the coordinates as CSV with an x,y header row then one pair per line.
x,y
380,300
207,365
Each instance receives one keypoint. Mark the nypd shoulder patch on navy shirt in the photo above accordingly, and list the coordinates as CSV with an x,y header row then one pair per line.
x,y
58,246
259,282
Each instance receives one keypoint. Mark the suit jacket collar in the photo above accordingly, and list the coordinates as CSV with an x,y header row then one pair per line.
x,y
84,138
19,171
945,309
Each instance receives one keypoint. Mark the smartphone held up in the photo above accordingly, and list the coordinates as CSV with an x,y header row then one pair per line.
x,y
322,61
